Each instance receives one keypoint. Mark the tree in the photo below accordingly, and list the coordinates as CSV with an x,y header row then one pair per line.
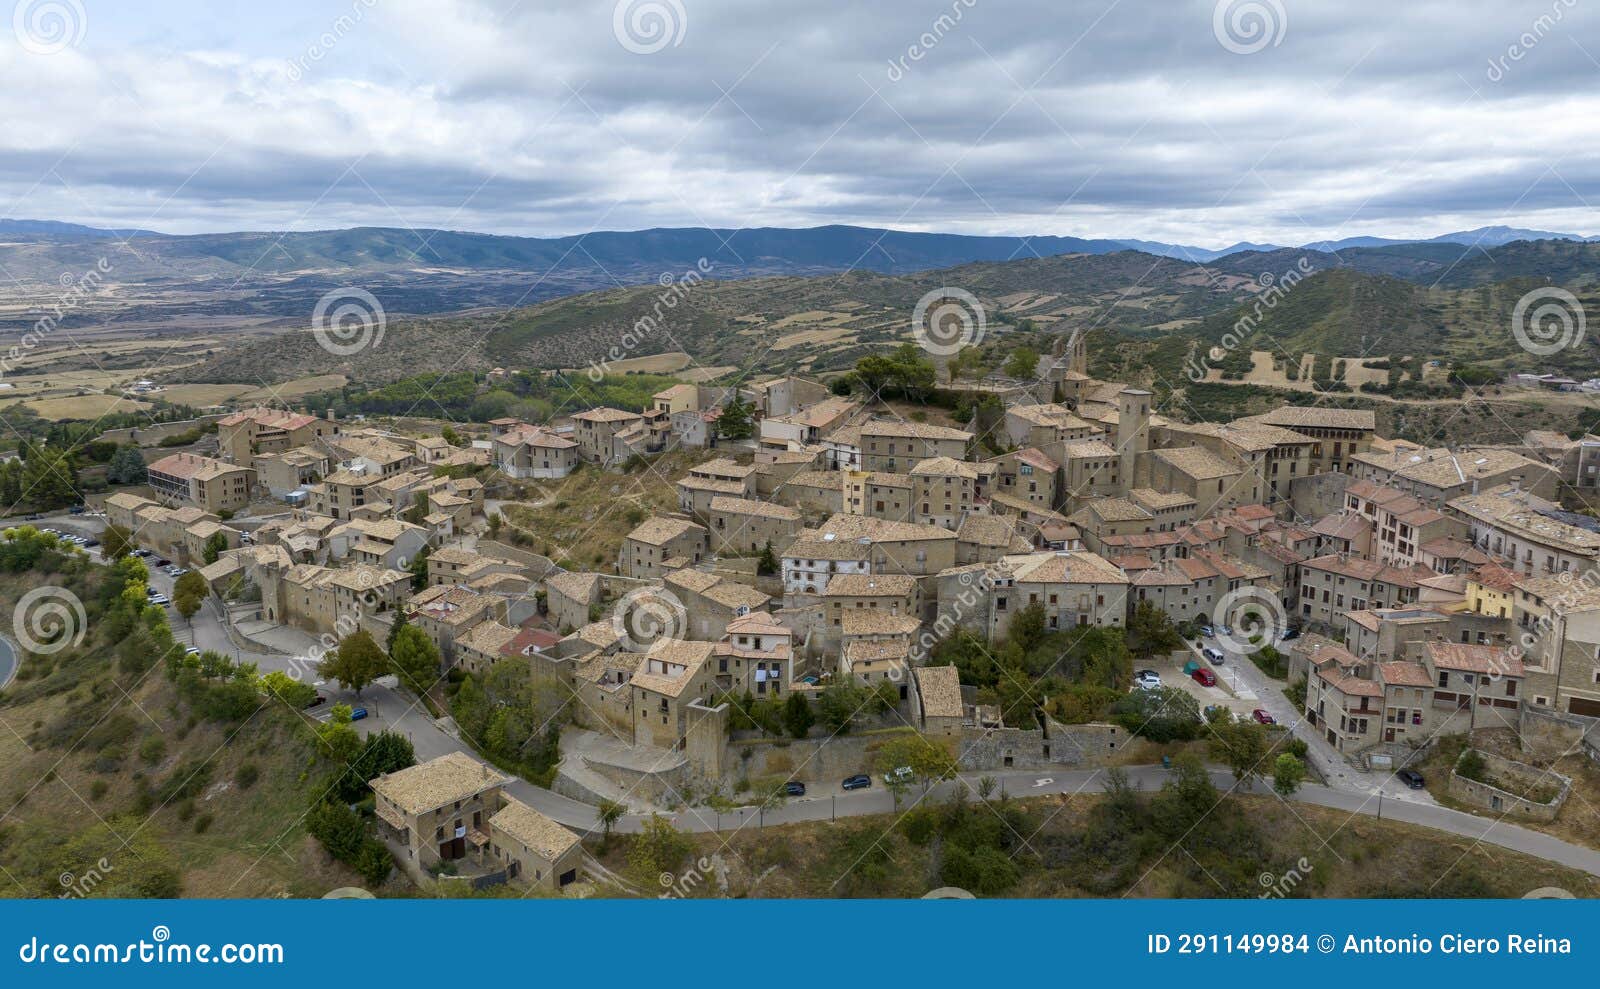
x,y
797,716
11,484
289,690
127,466
187,605
450,436
116,542
767,565
216,545
658,849
418,568
929,760
1241,746
839,704
338,736
1022,363
49,477
610,812
192,583
1150,630
1165,714
1287,774
415,658
737,421
357,662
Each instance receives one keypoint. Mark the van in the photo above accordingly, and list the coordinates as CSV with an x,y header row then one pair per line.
x,y
1215,655
903,774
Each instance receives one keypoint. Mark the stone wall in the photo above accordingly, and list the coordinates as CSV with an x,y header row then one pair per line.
x,y
1521,775
811,760
1318,494
1548,735
1092,745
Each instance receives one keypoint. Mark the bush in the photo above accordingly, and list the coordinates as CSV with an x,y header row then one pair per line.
x,y
247,775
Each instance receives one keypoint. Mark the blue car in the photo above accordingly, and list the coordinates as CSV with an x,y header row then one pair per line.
x,y
358,714
860,781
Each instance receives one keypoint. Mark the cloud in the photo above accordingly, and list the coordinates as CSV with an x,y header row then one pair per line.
x,y
1086,118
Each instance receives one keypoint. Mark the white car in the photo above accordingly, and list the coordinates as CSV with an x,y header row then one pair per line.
x,y
1215,655
1147,680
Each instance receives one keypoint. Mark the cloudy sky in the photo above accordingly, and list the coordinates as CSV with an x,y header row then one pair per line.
x,y
1178,120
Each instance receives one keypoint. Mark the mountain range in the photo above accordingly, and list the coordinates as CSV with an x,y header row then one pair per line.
x,y
42,249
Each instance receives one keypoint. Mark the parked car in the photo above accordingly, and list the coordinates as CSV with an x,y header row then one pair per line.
x,y
1204,677
191,651
1290,633
901,774
1207,630
1224,630
859,781
1411,778
90,543
1147,680
794,788
1263,717
34,517
163,562
319,699
358,714
76,510
160,599
1213,654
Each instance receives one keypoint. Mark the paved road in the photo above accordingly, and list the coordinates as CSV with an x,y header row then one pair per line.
x,y
390,708
1247,679
8,661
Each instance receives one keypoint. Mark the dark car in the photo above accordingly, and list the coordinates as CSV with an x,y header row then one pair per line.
x,y
1263,717
1411,778
794,788
859,781
358,714
319,699
1290,633
91,543
163,562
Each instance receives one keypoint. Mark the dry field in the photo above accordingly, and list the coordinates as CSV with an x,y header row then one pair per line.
x,y
84,406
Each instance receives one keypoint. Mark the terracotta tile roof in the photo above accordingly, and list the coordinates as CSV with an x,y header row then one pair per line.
x,y
939,688
430,785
